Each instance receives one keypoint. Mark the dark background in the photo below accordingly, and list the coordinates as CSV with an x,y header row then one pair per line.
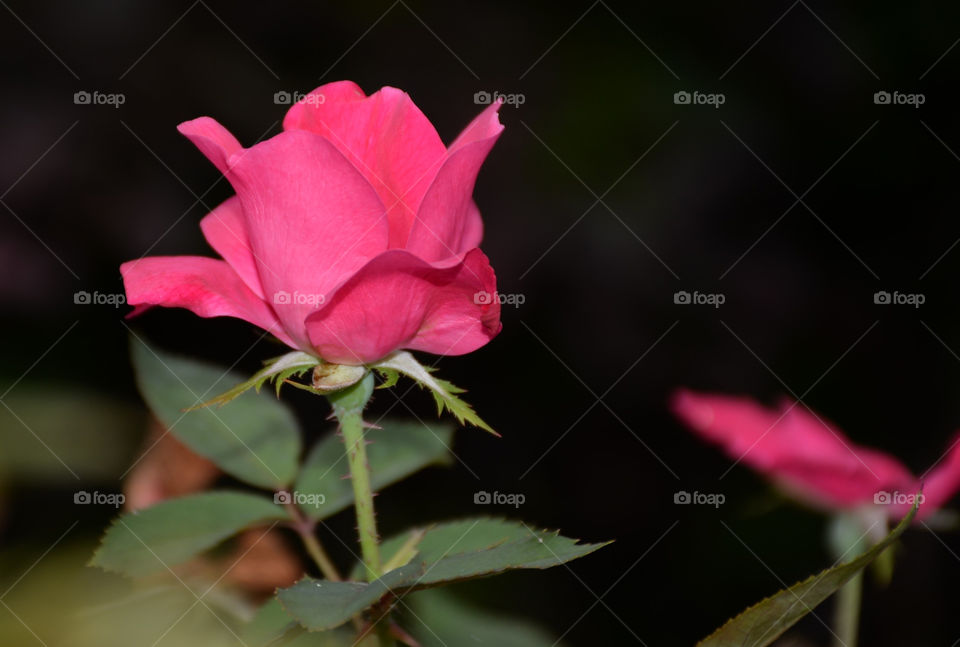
x,y
601,200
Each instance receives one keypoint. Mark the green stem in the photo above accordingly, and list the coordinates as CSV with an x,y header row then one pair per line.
x,y
847,614
348,406
306,529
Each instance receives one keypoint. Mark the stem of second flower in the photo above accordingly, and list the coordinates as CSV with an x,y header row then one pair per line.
x,y
348,406
847,613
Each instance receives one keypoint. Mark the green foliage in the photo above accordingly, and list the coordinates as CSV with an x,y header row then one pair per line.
x,y
438,618
320,604
444,393
256,438
445,553
396,451
273,627
766,621
160,537
390,377
277,370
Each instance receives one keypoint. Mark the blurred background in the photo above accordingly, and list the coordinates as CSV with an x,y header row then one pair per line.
x,y
778,181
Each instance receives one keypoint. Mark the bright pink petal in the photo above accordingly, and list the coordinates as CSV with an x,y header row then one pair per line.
x,y
213,140
385,135
226,231
329,94
399,301
941,482
737,424
206,286
311,218
805,454
448,222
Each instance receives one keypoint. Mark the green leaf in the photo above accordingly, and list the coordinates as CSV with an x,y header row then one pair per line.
x,y
273,627
766,621
169,533
444,393
320,604
439,618
396,451
255,438
446,553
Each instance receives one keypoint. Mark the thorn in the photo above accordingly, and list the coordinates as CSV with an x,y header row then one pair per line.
x,y
371,425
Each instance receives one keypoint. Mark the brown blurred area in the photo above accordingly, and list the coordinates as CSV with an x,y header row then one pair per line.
x,y
258,561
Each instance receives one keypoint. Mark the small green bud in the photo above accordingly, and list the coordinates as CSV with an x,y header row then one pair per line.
x,y
350,389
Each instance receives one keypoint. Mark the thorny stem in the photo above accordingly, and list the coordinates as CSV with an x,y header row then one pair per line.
x,y
348,406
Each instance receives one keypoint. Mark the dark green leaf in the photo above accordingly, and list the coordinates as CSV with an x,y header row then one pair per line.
x,y
254,438
446,553
164,535
320,604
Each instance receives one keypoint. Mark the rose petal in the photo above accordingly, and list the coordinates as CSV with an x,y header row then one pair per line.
x,y
795,448
399,301
206,286
941,482
226,231
312,219
448,222
213,140
385,135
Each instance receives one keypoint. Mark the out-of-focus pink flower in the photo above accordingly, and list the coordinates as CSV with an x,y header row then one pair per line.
x,y
810,458
352,234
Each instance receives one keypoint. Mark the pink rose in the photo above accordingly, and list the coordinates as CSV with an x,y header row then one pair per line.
x,y
352,234
811,459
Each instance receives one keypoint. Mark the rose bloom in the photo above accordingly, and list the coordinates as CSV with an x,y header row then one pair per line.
x,y
811,459
352,234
